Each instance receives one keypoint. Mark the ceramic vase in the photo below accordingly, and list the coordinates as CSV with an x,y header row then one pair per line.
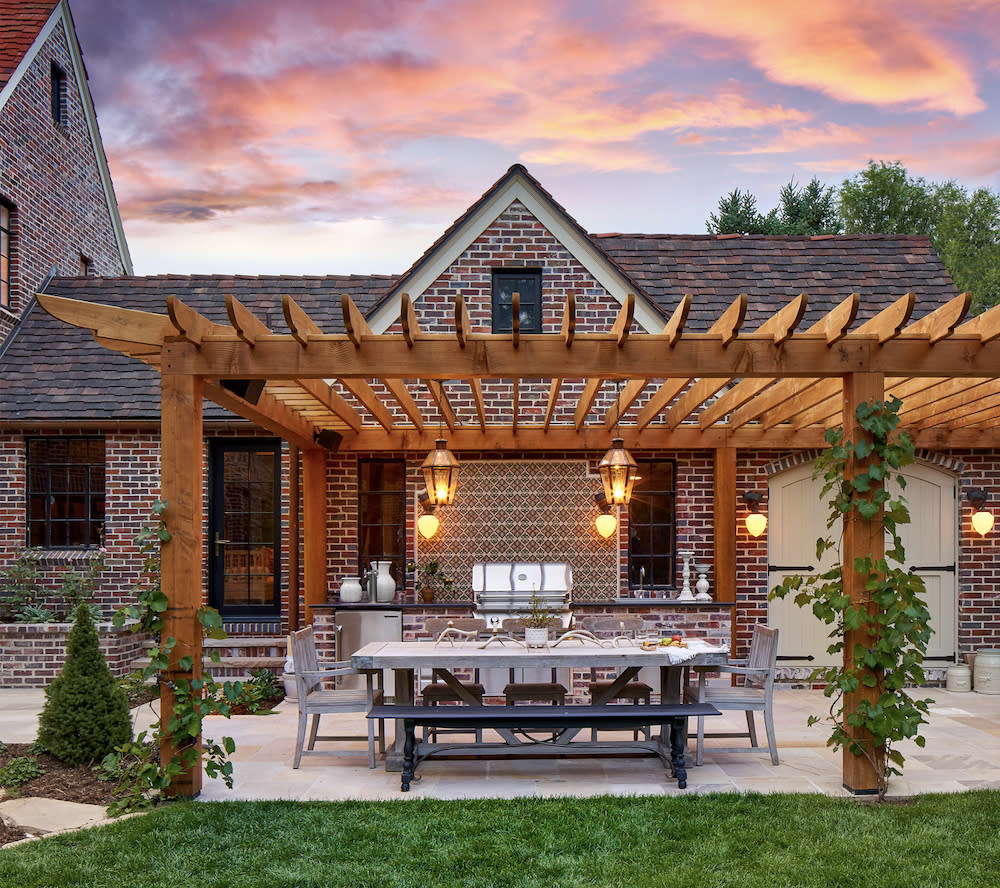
x,y
385,585
350,590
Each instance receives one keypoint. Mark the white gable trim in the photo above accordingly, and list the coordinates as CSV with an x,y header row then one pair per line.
x,y
61,15
518,188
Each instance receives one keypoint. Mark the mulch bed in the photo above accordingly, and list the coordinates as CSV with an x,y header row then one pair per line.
x,y
60,781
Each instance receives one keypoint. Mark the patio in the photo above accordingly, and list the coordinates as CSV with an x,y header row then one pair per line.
x,y
962,753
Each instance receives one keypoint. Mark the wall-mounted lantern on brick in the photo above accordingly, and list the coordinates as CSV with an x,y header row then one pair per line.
x,y
756,522
982,521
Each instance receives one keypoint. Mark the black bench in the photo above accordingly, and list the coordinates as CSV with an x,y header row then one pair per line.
x,y
556,719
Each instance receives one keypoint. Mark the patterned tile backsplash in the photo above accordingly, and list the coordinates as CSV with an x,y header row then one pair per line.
x,y
525,510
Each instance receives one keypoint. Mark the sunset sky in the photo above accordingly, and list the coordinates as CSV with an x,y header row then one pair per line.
x,y
325,136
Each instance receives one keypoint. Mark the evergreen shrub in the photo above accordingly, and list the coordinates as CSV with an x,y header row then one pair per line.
x,y
86,711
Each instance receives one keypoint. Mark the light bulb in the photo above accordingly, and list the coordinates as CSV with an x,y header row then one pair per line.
x,y
982,522
756,523
428,525
606,523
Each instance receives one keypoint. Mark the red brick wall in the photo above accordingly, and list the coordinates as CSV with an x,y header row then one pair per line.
x,y
51,177
32,655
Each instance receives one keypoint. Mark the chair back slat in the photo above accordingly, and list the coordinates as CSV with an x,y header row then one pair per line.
x,y
436,625
305,659
763,654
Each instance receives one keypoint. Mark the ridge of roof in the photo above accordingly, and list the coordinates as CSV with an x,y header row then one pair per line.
x,y
761,237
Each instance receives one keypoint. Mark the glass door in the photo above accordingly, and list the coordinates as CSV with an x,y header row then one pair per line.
x,y
244,529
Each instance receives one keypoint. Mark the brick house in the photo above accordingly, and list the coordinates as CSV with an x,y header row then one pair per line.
x,y
528,447
58,214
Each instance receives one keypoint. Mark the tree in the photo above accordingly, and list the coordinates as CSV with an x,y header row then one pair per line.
x,y
86,712
808,211
803,211
883,199
738,215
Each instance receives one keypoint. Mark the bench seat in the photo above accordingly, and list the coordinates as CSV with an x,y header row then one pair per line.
x,y
556,719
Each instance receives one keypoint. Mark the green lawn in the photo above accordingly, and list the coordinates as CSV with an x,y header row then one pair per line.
x,y
696,842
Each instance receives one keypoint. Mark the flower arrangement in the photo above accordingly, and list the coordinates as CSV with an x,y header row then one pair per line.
x,y
538,616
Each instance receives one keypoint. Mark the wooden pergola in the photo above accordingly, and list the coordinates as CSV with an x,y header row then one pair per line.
x,y
724,389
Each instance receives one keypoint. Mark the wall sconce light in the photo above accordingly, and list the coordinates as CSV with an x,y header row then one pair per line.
x,y
428,523
606,522
982,521
440,470
755,521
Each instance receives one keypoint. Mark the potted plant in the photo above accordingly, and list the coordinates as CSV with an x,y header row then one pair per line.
x,y
536,621
430,579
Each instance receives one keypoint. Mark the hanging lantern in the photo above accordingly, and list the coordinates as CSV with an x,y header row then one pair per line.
x,y
619,472
440,470
756,522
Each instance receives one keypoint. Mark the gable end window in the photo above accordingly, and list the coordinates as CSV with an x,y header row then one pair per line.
x,y
652,527
59,98
6,216
527,283
65,492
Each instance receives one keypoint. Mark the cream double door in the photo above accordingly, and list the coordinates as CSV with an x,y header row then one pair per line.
x,y
797,517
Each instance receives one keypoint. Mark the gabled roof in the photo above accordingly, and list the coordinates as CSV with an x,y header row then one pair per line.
x,y
772,269
31,24
50,371
21,21
517,184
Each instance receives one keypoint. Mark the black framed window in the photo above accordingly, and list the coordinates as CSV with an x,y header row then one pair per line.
x,y
65,492
6,219
652,527
59,102
527,283
382,514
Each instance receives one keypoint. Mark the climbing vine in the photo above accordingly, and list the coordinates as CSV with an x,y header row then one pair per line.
x,y
143,777
895,629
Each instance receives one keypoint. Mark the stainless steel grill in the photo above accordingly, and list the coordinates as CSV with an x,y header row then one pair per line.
x,y
503,589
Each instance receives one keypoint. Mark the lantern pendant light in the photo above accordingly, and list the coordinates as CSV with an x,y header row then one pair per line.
x,y
618,470
756,522
440,470
982,521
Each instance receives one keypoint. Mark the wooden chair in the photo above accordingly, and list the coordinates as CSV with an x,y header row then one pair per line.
x,y
633,692
316,699
552,691
753,695
435,691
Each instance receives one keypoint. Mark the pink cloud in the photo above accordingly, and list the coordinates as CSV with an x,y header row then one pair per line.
x,y
851,50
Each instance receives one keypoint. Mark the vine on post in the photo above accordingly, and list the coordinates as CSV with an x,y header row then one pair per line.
x,y
897,627
141,774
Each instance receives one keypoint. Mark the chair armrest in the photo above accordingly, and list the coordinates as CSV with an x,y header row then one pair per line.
x,y
330,673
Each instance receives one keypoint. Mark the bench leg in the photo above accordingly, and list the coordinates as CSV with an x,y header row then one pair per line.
x,y
409,754
678,728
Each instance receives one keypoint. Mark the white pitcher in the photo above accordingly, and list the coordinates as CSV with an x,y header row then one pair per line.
x,y
385,585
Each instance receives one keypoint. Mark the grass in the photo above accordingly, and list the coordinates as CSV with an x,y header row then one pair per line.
x,y
696,842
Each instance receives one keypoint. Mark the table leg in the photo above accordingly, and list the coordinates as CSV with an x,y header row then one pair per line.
x,y
678,730
409,756
403,689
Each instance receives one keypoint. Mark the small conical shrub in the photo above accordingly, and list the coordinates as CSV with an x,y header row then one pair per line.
x,y
86,712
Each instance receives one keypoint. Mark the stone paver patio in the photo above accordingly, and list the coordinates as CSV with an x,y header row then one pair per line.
x,y
962,752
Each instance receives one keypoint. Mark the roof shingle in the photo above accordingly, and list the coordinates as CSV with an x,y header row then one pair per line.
x,y
22,20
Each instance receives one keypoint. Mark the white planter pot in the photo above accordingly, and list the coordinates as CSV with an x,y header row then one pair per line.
x,y
350,590
535,637
385,585
288,680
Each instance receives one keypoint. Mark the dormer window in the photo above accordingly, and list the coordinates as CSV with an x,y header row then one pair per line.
x,y
59,100
527,283
86,267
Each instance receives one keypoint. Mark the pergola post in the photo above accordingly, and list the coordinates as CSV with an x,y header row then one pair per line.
x,y
862,537
314,521
294,538
724,519
181,474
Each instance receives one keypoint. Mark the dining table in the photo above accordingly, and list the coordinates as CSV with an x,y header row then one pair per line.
x,y
623,657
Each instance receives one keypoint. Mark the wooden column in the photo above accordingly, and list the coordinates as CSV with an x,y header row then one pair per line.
x,y
314,521
724,511
861,538
181,475
294,537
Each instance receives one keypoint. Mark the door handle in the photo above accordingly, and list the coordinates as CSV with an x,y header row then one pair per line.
x,y
219,541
